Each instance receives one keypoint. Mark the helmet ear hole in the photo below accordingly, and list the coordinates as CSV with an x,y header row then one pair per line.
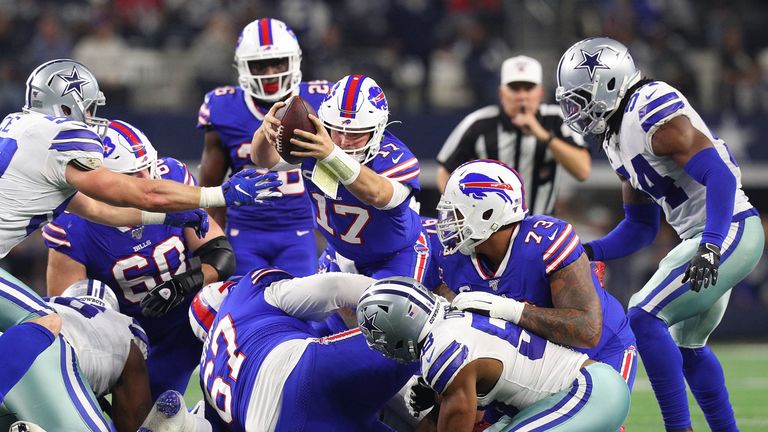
x,y
65,109
487,214
611,84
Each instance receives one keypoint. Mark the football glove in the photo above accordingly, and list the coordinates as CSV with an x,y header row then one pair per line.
x,y
197,219
488,304
703,267
248,187
169,294
419,396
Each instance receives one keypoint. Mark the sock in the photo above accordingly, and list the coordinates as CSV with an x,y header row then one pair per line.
x,y
664,365
26,341
705,378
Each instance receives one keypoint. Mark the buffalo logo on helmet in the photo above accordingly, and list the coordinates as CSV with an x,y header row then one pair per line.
x,y
591,62
74,82
377,98
109,146
478,186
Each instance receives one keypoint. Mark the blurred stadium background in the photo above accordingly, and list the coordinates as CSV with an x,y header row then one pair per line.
x,y
437,60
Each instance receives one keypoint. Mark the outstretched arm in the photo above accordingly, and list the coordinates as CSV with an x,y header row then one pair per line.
x,y
317,296
638,229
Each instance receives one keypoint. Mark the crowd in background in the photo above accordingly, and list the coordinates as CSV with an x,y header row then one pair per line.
x,y
431,56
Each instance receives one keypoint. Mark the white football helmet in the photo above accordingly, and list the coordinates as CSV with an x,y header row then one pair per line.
x,y
205,305
357,104
127,150
65,88
93,292
480,197
266,39
592,77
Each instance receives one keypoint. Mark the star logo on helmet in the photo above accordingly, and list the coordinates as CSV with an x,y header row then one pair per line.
x,y
74,83
369,324
591,62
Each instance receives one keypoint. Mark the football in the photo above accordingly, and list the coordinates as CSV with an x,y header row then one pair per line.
x,y
294,115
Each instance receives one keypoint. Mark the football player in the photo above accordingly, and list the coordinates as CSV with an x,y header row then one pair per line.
x,y
529,270
265,368
49,153
156,269
474,361
268,60
666,156
368,223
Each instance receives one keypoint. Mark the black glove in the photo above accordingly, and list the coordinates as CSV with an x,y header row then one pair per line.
x,y
419,396
703,267
588,251
167,295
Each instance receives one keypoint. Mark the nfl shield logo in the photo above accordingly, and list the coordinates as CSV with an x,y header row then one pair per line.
x,y
137,232
494,284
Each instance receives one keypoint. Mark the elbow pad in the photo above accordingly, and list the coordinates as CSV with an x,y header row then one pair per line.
x,y
218,254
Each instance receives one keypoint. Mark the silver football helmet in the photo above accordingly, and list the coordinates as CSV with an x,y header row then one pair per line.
x,y
66,88
395,314
592,77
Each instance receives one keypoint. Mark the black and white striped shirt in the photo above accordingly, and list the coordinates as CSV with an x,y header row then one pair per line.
x,y
489,134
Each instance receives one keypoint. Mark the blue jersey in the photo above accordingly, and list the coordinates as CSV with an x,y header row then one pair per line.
x,y
132,260
540,246
317,386
359,231
235,117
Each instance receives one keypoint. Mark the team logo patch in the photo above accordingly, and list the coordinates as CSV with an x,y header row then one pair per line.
x,y
478,186
369,325
591,62
109,146
74,82
377,98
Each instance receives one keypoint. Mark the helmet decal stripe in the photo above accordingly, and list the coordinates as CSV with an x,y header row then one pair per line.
x,y
127,133
411,291
399,293
351,93
265,32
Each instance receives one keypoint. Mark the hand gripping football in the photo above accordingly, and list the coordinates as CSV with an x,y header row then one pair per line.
x,y
294,115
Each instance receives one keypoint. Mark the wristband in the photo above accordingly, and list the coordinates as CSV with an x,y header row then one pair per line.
x,y
212,197
342,165
152,218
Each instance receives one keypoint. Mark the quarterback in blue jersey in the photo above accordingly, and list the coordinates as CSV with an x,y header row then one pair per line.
x,y
530,270
265,368
369,224
666,157
153,268
268,60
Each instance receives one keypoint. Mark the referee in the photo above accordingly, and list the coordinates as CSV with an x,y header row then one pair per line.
x,y
523,133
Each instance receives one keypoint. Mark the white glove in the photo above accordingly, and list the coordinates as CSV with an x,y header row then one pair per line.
x,y
419,396
489,304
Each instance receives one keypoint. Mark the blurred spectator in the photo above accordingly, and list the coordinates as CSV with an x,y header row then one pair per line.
x,y
106,55
482,54
50,41
739,75
211,54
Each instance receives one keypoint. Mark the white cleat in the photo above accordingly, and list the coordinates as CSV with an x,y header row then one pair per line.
x,y
167,414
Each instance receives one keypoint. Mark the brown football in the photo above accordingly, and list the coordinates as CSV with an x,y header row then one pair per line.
x,y
294,115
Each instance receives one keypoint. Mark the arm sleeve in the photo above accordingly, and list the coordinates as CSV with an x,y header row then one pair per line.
x,y
708,168
26,341
315,297
637,230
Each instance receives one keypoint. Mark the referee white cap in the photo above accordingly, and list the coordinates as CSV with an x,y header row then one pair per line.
x,y
521,69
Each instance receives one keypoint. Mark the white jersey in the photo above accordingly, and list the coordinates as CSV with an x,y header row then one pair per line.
x,y
101,339
682,198
534,368
34,152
